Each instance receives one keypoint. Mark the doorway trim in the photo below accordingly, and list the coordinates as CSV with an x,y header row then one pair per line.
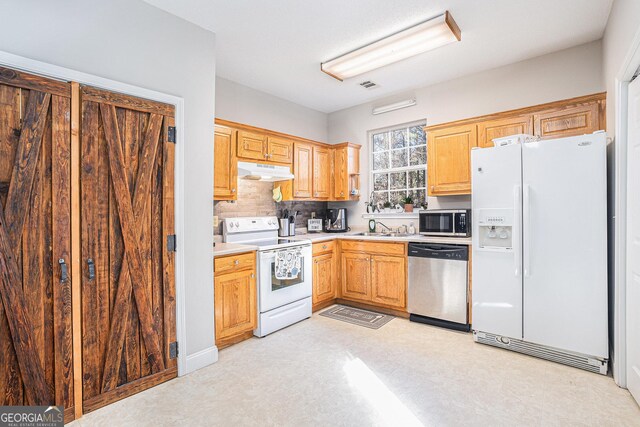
x,y
623,78
67,74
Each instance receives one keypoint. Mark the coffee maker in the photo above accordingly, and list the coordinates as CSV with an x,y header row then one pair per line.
x,y
336,221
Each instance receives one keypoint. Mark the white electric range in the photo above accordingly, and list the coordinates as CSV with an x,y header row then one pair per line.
x,y
281,302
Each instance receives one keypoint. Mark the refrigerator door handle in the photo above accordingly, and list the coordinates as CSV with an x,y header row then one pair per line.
x,y
527,229
517,254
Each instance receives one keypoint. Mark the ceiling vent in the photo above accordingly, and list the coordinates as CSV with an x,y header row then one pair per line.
x,y
368,84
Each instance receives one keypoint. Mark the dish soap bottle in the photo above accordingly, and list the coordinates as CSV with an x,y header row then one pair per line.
x,y
412,229
372,226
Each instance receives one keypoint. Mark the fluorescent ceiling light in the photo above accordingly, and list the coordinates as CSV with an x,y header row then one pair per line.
x,y
395,106
431,34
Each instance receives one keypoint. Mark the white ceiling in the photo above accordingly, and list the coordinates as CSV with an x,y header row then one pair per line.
x,y
276,46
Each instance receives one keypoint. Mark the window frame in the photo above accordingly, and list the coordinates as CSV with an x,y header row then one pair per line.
x,y
402,126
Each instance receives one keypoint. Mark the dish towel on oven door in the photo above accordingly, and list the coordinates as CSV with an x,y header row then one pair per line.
x,y
288,263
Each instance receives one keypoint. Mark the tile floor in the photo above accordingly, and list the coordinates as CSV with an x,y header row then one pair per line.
x,y
327,372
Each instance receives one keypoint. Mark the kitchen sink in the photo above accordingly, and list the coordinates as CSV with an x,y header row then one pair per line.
x,y
366,233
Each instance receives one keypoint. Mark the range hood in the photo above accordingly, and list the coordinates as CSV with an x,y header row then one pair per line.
x,y
260,172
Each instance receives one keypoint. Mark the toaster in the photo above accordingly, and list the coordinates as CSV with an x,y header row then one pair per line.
x,y
314,225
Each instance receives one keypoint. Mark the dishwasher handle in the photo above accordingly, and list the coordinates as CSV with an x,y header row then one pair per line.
x,y
438,251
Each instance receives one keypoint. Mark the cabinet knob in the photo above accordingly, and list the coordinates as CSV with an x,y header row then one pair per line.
x,y
324,246
233,190
342,193
236,262
253,276
316,261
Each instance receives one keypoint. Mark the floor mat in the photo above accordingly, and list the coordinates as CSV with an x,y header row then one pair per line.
x,y
366,318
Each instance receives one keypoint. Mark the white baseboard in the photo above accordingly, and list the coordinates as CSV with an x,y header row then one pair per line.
x,y
201,359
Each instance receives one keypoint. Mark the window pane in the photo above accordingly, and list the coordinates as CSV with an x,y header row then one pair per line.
x,y
418,155
416,136
379,197
398,158
399,138
398,180
396,197
380,142
419,196
381,160
380,181
417,178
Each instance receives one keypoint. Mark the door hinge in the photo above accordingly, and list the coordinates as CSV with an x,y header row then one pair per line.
x,y
173,350
172,134
171,243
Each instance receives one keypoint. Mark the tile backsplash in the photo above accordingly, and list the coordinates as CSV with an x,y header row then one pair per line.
x,y
255,198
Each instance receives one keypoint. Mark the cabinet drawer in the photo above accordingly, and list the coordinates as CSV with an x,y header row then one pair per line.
x,y
373,247
235,262
323,247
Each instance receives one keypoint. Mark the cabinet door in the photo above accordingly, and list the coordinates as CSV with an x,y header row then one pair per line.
x,y
449,160
252,146
235,303
388,280
302,170
356,276
35,228
569,121
279,150
341,173
324,278
225,164
321,173
499,128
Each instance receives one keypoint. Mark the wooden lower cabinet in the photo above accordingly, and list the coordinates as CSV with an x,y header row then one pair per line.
x,y
388,276
369,277
324,278
235,298
356,276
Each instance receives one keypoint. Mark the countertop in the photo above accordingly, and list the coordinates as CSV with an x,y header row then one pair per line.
x,y
353,235
221,249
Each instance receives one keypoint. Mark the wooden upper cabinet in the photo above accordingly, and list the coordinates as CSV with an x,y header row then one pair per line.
x,y
321,172
388,280
570,121
449,159
499,128
225,165
252,146
303,170
279,150
346,172
356,276
340,174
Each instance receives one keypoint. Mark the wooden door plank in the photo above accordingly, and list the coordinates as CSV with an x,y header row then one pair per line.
x,y
61,249
76,266
133,266
25,164
24,80
126,101
10,128
20,324
168,220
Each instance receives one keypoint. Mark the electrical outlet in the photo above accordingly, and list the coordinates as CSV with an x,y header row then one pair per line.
x,y
215,221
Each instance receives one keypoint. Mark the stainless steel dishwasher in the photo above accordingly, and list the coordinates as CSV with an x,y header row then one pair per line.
x,y
438,285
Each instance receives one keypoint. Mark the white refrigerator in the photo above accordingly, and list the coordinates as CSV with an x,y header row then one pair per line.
x,y
540,249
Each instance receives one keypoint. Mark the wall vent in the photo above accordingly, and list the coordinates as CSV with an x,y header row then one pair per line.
x,y
368,84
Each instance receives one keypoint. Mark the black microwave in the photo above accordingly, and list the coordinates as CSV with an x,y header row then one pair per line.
x,y
446,223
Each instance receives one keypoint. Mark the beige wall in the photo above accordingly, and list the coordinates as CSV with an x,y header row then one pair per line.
x,y
243,104
572,72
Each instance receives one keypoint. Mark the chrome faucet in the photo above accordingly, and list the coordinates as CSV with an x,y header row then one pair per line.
x,y
387,228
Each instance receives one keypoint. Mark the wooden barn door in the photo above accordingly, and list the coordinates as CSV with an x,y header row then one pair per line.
x,y
36,362
128,289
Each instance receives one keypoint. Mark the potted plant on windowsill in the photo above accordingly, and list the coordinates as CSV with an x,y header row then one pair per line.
x,y
408,204
387,207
